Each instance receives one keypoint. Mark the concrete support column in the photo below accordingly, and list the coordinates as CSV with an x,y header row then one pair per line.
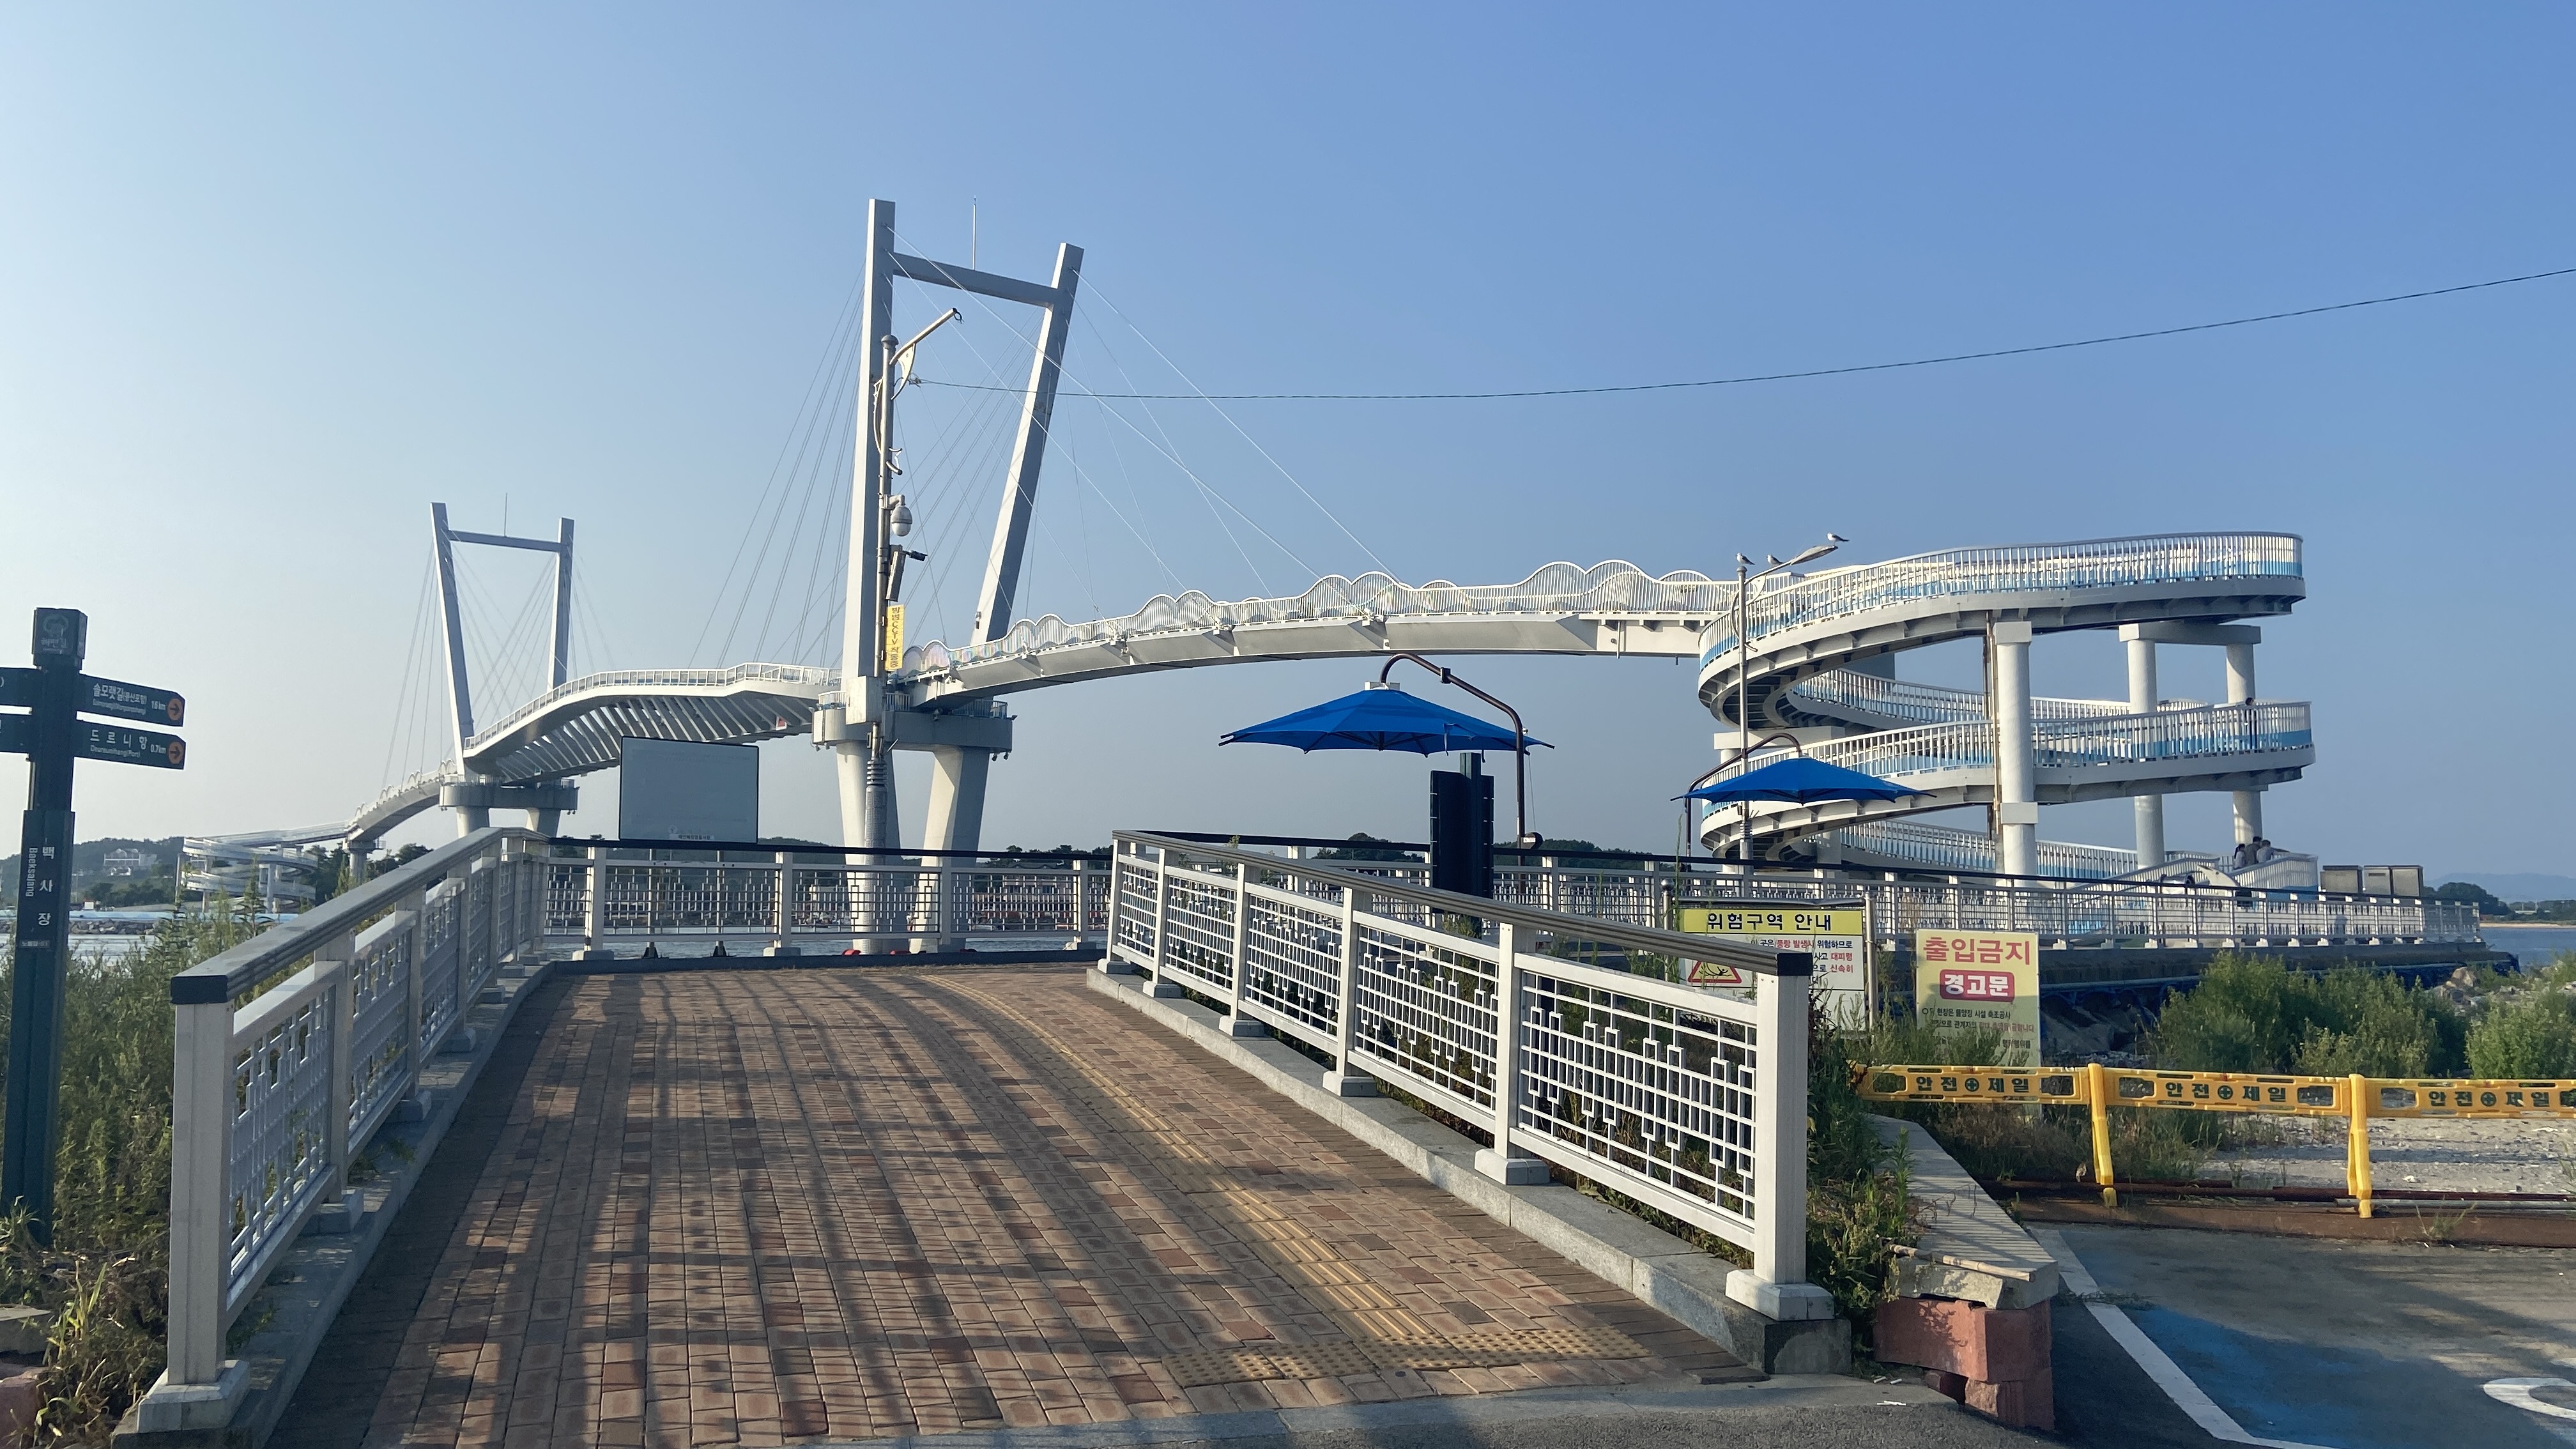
x,y
2145,695
2247,804
2016,770
546,822
957,776
470,818
850,763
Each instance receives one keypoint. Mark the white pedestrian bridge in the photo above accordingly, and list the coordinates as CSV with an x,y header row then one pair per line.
x,y
1818,676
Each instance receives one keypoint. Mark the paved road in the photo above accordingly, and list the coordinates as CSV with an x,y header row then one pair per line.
x,y
714,1208
2341,1345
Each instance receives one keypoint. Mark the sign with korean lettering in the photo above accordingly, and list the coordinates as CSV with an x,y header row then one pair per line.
x,y
1837,936
1981,981
131,701
893,637
129,747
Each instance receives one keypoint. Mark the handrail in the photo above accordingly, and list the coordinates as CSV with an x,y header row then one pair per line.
x,y
241,968
816,675
1634,938
2022,568
2255,727
771,849
1917,703
1559,588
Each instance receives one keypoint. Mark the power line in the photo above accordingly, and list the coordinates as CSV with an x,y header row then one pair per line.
x,y
1811,372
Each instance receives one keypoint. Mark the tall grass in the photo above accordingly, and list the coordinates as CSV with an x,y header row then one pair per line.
x,y
2530,1031
106,1272
2254,1014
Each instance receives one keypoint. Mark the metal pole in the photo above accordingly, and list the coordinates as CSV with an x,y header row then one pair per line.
x,y
1520,739
861,608
43,932
460,694
1020,494
562,666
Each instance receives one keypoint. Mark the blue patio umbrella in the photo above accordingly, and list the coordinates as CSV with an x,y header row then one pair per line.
x,y
1799,781
1380,717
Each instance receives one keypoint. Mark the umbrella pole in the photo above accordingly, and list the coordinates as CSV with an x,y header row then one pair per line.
x,y
1520,739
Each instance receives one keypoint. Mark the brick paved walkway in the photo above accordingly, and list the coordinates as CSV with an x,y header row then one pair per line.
x,y
763,1206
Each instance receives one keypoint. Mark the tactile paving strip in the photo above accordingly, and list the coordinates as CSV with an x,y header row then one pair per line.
x,y
1413,1351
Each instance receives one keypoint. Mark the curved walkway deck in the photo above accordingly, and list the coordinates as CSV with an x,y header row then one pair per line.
x,y
710,1207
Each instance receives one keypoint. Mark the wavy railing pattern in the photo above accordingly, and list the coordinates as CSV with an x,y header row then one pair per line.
x,y
2018,568
1559,588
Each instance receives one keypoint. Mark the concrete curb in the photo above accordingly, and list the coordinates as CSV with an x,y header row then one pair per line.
x,y
1656,1267
305,1291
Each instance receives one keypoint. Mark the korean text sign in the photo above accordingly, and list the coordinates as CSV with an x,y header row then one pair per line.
x,y
1981,981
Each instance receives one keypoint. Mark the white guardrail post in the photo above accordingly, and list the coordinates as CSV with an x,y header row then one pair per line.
x,y
594,907
1236,1022
199,1387
1776,1284
1346,1080
785,925
1498,1161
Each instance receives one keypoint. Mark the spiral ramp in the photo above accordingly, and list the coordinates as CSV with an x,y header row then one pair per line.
x,y
1817,665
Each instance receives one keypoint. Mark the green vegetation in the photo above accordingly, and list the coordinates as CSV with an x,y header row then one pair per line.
x,y
2529,1030
2254,1014
106,1273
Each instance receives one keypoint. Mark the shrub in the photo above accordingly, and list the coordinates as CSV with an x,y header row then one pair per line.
x,y
2254,1014
106,1273
2534,1036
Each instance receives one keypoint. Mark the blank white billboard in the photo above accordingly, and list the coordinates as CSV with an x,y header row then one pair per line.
x,y
677,790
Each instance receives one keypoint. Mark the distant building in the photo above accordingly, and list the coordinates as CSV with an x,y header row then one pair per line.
x,y
130,861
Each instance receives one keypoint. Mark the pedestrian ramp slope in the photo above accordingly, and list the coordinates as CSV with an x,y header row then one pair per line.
x,y
1817,662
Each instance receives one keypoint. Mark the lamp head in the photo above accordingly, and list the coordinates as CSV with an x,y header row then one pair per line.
x,y
1819,551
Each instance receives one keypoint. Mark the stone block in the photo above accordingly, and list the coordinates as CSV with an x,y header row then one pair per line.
x,y
1240,1025
24,1330
19,1400
1991,1345
2020,1404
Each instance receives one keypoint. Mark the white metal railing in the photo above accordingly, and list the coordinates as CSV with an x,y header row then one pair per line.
x,y
2024,568
1568,1039
1938,847
601,892
1911,703
1559,588
803,678
292,1048
1915,845
2075,913
2256,727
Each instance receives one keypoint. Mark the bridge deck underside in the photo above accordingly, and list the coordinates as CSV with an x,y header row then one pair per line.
x,y
770,1206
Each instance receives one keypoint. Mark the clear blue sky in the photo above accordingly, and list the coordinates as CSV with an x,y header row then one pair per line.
x,y
271,280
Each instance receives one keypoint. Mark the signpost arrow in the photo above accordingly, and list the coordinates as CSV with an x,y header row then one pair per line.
x,y
130,701
129,747
18,687
17,734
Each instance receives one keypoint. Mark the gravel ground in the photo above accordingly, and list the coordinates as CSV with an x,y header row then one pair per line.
x,y
2419,1153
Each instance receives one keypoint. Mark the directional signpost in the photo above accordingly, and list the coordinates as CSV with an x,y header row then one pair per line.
x,y
52,735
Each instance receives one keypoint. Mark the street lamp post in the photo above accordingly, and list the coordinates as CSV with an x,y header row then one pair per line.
x,y
1745,579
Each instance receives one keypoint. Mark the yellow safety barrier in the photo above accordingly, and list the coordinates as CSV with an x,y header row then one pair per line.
x,y
2356,1099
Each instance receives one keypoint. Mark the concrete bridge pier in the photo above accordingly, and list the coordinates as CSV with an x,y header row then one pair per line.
x,y
957,777
2145,697
545,802
2016,766
2247,804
